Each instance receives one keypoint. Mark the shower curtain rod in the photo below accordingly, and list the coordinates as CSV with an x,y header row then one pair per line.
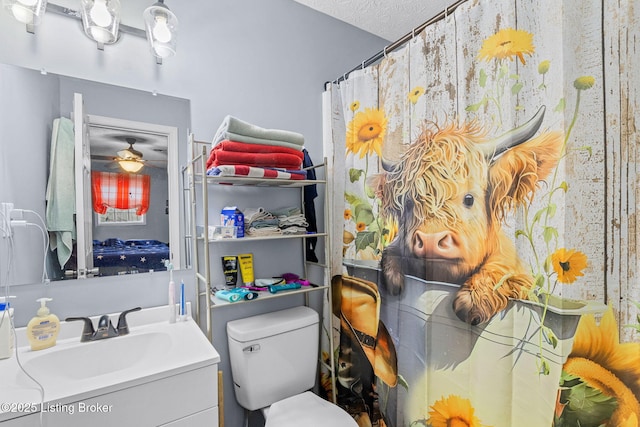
x,y
400,42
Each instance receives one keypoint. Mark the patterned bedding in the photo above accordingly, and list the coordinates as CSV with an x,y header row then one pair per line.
x,y
115,256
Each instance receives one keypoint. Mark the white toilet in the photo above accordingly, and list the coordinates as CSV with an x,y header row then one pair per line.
x,y
274,360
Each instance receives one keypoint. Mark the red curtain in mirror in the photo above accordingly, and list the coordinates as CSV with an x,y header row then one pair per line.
x,y
120,191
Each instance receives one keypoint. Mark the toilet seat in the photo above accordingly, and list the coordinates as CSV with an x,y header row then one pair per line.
x,y
307,409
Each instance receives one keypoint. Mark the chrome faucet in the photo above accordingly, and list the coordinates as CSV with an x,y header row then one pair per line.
x,y
105,327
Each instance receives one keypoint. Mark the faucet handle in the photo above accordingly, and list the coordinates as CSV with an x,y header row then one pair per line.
x,y
87,330
123,328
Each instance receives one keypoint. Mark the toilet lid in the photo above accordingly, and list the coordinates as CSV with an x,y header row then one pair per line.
x,y
307,409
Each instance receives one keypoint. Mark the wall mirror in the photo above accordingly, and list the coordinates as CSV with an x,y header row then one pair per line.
x,y
121,125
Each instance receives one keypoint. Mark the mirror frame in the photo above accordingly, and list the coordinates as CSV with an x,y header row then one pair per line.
x,y
171,133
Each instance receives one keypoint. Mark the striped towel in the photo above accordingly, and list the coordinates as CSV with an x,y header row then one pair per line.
x,y
253,172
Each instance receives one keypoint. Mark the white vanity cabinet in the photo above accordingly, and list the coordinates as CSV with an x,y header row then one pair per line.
x,y
187,399
160,374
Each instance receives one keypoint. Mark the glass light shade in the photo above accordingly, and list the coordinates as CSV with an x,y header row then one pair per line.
x,y
101,19
130,165
162,28
26,11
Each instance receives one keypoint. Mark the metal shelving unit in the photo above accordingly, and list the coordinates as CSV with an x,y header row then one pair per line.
x,y
199,185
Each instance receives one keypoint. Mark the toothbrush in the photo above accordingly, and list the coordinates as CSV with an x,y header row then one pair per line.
x,y
183,311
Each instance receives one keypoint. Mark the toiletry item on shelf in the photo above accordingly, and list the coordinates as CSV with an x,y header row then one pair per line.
x,y
183,303
228,295
236,294
246,268
292,277
245,293
172,295
231,215
230,269
256,288
42,330
263,283
220,232
287,286
7,337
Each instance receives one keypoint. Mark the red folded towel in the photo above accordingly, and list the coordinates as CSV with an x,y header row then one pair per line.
x,y
273,160
245,147
232,152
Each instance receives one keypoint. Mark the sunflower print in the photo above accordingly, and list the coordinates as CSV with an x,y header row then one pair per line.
x,y
603,363
507,43
415,94
453,411
366,132
568,264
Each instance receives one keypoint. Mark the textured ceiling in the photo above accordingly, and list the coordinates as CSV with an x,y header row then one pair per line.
x,y
389,19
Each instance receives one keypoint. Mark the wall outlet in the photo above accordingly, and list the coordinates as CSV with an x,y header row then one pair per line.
x,y
5,218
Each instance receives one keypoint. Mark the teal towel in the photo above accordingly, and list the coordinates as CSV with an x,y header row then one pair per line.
x,y
232,126
61,190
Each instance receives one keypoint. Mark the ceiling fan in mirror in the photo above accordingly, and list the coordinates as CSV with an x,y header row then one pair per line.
x,y
128,159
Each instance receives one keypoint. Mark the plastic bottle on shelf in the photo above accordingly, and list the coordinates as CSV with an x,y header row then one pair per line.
x,y
7,337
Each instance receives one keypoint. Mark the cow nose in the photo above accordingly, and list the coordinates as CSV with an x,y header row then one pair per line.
x,y
437,245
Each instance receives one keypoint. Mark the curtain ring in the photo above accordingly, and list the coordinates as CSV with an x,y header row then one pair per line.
x,y
384,51
363,64
446,11
413,33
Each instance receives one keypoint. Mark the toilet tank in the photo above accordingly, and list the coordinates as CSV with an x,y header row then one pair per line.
x,y
273,355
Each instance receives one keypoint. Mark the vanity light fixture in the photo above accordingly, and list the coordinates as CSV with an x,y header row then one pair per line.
x,y
131,166
101,22
161,26
29,12
101,19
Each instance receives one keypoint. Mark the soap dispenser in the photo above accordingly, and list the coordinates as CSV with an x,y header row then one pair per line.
x,y
43,329
7,337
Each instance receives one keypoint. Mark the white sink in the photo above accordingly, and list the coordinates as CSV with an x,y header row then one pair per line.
x,y
74,371
104,357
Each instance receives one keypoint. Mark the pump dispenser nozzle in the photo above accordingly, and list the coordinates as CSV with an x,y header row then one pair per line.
x,y
43,310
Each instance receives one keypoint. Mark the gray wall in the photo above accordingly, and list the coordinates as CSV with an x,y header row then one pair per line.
x,y
262,61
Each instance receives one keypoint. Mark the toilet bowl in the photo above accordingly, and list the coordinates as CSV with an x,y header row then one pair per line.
x,y
274,361
308,410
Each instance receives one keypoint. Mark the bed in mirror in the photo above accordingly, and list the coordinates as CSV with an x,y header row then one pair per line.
x,y
132,151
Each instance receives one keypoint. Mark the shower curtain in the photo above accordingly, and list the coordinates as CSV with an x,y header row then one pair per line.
x,y
483,183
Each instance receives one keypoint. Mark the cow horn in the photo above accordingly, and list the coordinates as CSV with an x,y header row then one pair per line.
x,y
514,137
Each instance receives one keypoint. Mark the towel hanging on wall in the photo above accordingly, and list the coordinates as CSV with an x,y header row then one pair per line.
x,y
61,190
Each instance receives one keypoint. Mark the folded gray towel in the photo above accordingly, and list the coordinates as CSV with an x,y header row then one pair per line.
x,y
234,126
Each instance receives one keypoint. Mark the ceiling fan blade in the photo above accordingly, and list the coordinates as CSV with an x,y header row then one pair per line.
x,y
100,157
